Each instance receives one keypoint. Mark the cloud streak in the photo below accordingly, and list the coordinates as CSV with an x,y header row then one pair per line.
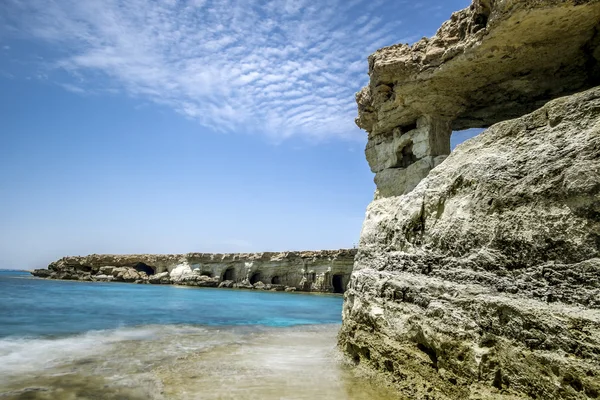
x,y
277,67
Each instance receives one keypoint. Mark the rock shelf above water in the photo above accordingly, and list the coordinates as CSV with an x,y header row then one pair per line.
x,y
321,271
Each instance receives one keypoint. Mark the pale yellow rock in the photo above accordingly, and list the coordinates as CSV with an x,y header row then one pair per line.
x,y
321,271
478,276
490,62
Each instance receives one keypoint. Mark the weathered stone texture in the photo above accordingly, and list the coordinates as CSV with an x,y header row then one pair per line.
x,y
484,281
493,61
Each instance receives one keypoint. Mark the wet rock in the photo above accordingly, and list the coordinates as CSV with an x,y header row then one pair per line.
x,y
103,278
245,284
106,270
162,278
41,273
226,284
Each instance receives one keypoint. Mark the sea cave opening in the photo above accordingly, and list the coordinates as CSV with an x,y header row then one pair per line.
x,y
206,273
255,278
276,280
229,274
141,267
337,282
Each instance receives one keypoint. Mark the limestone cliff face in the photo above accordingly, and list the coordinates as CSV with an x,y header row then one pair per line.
x,y
495,60
485,279
324,271
478,273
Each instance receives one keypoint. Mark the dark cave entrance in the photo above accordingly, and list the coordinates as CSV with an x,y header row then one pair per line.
x,y
206,273
276,280
338,284
141,267
255,278
229,274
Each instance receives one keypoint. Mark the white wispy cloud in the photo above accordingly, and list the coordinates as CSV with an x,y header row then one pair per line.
x,y
278,67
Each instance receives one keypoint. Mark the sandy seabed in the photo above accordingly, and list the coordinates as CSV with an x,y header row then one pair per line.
x,y
183,362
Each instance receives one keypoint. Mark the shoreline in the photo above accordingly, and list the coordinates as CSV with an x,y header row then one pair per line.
x,y
325,271
183,286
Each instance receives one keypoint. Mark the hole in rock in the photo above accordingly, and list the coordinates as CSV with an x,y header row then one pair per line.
x,y
573,381
497,383
255,278
430,352
276,280
141,267
408,127
207,273
405,156
389,366
337,281
458,137
229,274
479,22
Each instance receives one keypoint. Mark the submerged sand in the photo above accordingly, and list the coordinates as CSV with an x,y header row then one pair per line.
x,y
184,362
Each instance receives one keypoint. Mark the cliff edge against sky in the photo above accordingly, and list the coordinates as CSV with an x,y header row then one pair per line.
x,y
478,272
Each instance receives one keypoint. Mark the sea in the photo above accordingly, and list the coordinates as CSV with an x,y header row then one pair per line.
x,y
90,340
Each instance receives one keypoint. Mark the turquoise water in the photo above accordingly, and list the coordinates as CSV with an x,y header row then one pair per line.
x,y
64,340
37,307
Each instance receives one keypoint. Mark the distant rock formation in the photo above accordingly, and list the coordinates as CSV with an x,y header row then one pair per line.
x,y
319,271
478,273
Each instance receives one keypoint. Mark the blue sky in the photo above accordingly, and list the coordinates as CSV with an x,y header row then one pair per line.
x,y
188,125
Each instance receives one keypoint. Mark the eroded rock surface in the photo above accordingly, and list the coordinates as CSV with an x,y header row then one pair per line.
x,y
319,271
484,281
478,272
495,60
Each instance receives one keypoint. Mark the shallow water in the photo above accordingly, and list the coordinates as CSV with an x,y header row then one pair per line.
x,y
78,340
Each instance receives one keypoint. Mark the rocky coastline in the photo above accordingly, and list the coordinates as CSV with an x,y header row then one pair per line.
x,y
326,271
478,271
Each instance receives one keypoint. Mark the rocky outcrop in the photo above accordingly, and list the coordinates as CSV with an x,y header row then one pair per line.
x,y
485,279
490,62
478,276
319,271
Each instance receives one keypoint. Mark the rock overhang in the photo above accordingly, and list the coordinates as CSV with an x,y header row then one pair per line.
x,y
493,61
477,75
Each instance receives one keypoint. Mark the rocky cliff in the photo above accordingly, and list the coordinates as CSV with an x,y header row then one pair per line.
x,y
478,273
322,271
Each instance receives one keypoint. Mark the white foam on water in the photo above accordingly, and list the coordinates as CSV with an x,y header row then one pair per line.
x,y
20,356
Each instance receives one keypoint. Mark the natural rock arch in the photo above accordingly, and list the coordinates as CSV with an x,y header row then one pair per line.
x,y
489,63
521,197
276,280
